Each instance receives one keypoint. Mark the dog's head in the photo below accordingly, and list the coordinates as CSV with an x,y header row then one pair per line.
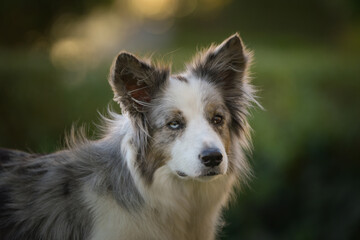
x,y
193,123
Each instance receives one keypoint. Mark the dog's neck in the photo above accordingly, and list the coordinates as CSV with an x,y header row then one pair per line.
x,y
190,208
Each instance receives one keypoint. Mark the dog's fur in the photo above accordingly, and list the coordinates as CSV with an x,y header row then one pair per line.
x,y
144,179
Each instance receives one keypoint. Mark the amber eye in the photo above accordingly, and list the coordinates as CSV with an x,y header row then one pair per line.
x,y
174,125
217,119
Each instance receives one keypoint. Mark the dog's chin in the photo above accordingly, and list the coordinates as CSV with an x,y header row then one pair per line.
x,y
206,175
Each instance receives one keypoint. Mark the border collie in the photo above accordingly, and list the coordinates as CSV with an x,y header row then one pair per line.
x,y
164,169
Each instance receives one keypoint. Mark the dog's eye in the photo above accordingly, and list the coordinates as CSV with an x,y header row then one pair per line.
x,y
174,125
217,119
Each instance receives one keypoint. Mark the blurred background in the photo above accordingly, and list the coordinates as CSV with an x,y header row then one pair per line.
x,y
55,58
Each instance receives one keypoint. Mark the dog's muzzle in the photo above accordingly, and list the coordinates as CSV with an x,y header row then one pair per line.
x,y
211,158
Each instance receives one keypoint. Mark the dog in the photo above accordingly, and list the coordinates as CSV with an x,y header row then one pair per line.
x,y
164,169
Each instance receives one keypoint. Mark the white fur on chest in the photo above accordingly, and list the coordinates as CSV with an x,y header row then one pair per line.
x,y
171,211
109,220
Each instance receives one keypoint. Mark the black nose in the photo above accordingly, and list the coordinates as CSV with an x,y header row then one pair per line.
x,y
211,157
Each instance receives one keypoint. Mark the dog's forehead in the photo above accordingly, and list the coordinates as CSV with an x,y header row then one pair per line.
x,y
190,94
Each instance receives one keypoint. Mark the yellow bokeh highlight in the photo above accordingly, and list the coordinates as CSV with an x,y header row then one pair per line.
x,y
69,53
156,9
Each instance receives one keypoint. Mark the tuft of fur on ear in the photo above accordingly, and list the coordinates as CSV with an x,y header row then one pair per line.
x,y
226,66
225,63
135,82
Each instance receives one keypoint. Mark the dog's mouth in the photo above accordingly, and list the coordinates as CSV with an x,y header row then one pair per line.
x,y
181,174
210,173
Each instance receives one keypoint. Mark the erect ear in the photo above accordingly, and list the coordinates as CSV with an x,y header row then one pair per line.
x,y
135,82
224,64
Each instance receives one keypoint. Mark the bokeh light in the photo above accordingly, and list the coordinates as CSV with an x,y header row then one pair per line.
x,y
86,41
156,9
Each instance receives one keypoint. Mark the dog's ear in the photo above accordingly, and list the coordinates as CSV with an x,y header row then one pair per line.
x,y
224,64
226,67
135,82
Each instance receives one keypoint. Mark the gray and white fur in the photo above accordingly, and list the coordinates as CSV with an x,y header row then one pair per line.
x,y
164,169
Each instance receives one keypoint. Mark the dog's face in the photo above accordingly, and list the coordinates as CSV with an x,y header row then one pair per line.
x,y
191,124
186,122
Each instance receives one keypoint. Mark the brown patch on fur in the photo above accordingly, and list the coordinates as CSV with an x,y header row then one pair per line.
x,y
221,129
162,137
181,78
154,160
